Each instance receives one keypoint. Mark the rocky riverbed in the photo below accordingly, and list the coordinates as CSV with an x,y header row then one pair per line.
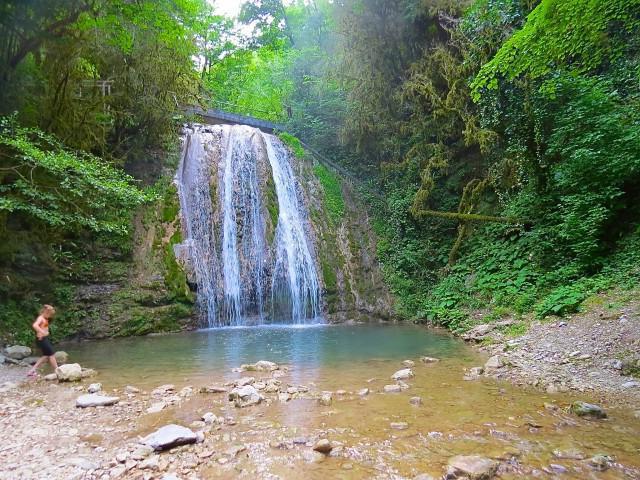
x,y
415,419
597,353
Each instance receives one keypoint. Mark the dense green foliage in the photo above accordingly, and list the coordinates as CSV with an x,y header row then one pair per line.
x,y
502,134
59,189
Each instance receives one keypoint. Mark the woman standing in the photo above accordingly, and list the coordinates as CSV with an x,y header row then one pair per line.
x,y
41,327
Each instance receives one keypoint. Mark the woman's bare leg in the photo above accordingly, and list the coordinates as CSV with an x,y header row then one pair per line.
x,y
40,361
53,362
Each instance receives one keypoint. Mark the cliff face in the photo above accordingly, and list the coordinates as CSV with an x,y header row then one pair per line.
x,y
353,287
140,287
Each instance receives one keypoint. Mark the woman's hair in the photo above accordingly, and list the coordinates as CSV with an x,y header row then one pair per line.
x,y
47,311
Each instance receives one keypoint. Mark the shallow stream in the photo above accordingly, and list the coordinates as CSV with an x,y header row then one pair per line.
x,y
531,433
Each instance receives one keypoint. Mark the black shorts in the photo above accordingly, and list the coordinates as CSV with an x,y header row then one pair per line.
x,y
45,347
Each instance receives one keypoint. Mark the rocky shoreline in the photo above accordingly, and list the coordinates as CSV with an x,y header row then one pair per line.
x,y
597,353
72,429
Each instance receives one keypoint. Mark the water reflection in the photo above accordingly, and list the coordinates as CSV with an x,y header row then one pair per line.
x,y
213,353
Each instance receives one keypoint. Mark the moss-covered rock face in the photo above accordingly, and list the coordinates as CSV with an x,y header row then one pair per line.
x,y
353,288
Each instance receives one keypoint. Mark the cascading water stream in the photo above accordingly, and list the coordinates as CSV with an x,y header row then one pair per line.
x,y
258,278
294,272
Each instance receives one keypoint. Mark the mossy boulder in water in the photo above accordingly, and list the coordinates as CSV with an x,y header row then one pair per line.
x,y
584,409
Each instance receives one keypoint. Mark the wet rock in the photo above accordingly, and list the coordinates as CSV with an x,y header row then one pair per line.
x,y
71,372
429,359
156,407
95,400
630,384
2,359
141,452
261,366
17,352
403,385
424,476
399,425
323,446
478,332
245,381
151,463
169,436
415,401
392,388
94,388
363,392
130,389
185,392
473,373
197,424
61,357
163,390
600,462
557,469
341,393
325,399
30,360
584,409
408,363
571,454
87,372
494,363
50,377
245,396
403,374
117,471
213,389
284,397
474,467
209,418
235,450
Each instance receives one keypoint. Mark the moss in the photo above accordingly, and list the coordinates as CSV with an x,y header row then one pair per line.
x,y
332,188
175,278
293,143
170,204
271,198
329,276
142,321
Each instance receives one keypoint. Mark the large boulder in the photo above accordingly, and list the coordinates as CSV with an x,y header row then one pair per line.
x,y
473,467
584,409
95,400
169,436
494,363
403,374
245,396
71,372
17,352
61,357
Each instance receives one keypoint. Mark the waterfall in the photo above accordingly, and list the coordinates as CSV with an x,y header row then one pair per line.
x,y
230,181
